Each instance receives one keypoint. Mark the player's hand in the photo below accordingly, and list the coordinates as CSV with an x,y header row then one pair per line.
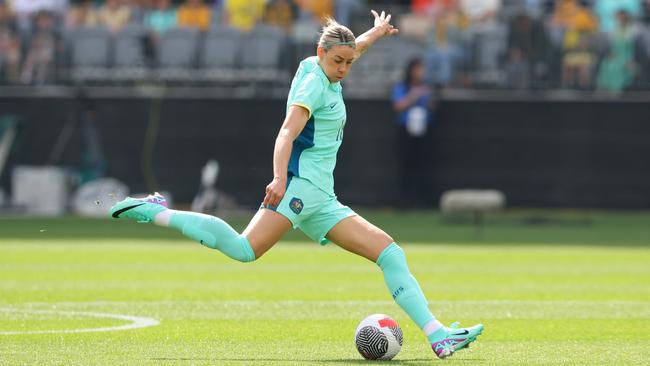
x,y
383,22
275,191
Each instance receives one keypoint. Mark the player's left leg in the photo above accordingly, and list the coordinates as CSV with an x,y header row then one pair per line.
x,y
266,228
359,236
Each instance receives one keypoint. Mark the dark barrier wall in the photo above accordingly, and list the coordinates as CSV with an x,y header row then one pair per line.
x,y
563,154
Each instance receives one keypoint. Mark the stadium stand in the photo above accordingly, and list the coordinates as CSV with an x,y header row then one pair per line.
x,y
220,55
129,59
177,54
262,55
506,44
90,53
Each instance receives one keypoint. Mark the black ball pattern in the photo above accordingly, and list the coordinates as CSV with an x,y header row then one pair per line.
x,y
397,333
372,343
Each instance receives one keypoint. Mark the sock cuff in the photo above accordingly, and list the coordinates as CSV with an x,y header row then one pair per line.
x,y
392,247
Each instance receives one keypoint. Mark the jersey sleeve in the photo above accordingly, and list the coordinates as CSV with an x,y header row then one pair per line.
x,y
308,93
399,92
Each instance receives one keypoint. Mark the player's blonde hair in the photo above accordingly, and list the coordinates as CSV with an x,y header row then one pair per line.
x,y
334,33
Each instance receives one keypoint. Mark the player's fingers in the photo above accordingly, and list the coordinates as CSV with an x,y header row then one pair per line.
x,y
388,18
270,195
277,200
394,31
383,14
374,13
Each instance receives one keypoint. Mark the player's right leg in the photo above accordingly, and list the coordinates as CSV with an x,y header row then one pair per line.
x,y
359,236
264,230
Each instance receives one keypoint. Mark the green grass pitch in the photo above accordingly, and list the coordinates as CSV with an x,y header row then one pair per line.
x,y
570,289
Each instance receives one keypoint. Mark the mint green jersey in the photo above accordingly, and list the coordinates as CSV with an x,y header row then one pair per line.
x,y
313,156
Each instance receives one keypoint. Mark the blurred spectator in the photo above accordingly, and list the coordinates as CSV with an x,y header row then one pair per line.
x,y
533,8
481,13
81,14
26,11
643,48
218,12
617,70
161,19
578,26
114,15
444,51
433,7
138,9
607,10
39,61
488,39
317,10
564,13
527,51
244,14
414,102
424,14
279,13
9,46
344,9
422,6
194,14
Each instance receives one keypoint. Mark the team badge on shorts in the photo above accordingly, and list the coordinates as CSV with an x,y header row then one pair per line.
x,y
296,205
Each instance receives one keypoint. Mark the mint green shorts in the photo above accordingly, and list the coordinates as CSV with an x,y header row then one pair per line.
x,y
311,210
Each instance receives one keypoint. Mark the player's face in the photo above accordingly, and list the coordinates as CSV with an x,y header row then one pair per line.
x,y
336,61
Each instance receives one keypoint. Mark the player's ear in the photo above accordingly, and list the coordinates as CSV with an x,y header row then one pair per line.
x,y
320,52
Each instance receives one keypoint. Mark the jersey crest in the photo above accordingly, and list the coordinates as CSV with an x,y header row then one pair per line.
x,y
296,205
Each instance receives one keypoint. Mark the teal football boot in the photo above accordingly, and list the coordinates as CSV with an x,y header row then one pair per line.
x,y
456,339
142,210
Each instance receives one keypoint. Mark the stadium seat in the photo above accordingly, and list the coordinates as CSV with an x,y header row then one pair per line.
x,y
380,67
220,55
305,37
129,59
90,53
177,54
262,52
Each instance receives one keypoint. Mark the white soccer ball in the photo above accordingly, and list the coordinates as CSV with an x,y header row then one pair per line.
x,y
378,337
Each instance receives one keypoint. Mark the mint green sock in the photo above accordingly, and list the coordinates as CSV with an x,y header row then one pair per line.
x,y
402,285
213,233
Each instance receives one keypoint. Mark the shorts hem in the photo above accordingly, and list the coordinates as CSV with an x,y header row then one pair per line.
x,y
293,224
322,240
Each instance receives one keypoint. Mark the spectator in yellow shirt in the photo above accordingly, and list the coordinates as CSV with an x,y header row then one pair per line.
x,y
244,14
114,15
194,14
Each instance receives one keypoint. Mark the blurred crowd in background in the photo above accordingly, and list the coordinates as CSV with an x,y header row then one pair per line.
x,y
526,44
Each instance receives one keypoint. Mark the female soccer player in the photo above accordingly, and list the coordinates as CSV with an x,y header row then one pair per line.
x,y
301,194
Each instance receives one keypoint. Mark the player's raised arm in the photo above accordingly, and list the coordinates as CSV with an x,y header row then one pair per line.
x,y
381,28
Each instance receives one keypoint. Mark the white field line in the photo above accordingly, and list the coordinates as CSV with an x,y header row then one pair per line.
x,y
136,321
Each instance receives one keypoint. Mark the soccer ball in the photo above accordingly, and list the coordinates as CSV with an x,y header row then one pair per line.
x,y
378,337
